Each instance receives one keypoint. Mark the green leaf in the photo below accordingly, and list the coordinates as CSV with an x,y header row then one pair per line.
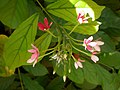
x,y
109,45
13,12
19,42
67,9
38,70
43,43
90,73
86,28
110,22
70,87
90,86
5,82
76,75
56,84
104,77
112,59
3,71
31,84
63,9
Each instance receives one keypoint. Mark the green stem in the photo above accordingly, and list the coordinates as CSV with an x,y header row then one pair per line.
x,y
45,54
77,43
80,50
74,28
46,11
74,58
20,79
51,33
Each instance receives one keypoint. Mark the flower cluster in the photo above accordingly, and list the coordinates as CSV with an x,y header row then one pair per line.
x,y
63,56
93,47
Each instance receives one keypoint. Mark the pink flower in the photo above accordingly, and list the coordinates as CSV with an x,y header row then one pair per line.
x,y
92,46
81,18
94,58
35,55
44,26
79,62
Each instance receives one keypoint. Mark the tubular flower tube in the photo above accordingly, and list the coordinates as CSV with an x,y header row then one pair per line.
x,y
34,56
44,26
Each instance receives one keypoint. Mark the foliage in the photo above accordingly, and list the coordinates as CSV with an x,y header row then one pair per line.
x,y
76,45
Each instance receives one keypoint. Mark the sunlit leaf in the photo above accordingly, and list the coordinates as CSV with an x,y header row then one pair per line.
x,y
87,28
19,42
67,9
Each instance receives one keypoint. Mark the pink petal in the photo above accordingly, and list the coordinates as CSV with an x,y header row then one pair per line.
x,y
34,56
76,65
32,50
92,44
80,64
34,47
30,60
99,42
41,26
94,58
46,23
97,48
89,48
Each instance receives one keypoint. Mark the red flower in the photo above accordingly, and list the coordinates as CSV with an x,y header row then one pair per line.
x,y
44,26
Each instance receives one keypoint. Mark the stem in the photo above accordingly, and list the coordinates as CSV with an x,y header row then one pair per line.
x,y
77,43
45,54
46,12
74,58
80,50
74,28
51,33
20,79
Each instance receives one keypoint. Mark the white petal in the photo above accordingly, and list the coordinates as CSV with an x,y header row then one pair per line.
x,y
97,48
90,38
30,60
94,58
55,56
92,44
99,42
76,65
80,64
64,78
